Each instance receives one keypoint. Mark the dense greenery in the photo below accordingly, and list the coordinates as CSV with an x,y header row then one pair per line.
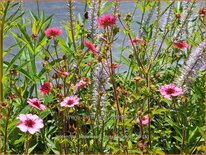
x,y
121,106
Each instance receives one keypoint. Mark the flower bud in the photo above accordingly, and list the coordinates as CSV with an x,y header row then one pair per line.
x,y
46,58
55,76
13,72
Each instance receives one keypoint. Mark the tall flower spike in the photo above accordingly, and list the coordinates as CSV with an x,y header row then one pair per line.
x,y
72,21
93,18
100,82
115,7
194,63
167,18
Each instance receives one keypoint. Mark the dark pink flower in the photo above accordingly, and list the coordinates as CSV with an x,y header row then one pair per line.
x,y
135,40
35,102
170,90
45,88
144,120
81,84
181,45
202,12
90,46
70,102
106,20
53,32
30,123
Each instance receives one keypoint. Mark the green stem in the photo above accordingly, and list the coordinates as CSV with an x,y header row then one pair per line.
x,y
6,131
1,47
27,143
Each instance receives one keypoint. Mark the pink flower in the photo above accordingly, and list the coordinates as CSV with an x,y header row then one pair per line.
x,y
81,84
30,123
45,89
144,120
135,40
70,101
170,90
35,102
63,72
106,20
53,32
181,45
90,46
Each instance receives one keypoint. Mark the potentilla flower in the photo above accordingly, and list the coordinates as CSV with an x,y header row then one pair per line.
x,y
63,72
70,101
181,45
81,84
170,90
36,103
144,120
135,40
106,20
90,46
30,123
45,88
53,32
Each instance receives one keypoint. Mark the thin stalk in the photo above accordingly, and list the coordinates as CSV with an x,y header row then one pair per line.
x,y
70,4
205,79
1,62
27,143
184,138
1,47
6,130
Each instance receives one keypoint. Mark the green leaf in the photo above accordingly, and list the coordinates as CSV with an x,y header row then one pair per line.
x,y
202,132
32,148
45,113
192,135
15,58
178,138
20,140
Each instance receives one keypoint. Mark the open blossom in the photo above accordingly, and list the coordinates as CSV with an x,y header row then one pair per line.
x,y
30,123
106,20
63,72
181,45
81,84
90,46
135,40
45,89
70,101
53,32
35,102
144,120
170,90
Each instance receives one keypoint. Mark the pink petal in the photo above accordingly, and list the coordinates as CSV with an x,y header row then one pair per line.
x,y
22,127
